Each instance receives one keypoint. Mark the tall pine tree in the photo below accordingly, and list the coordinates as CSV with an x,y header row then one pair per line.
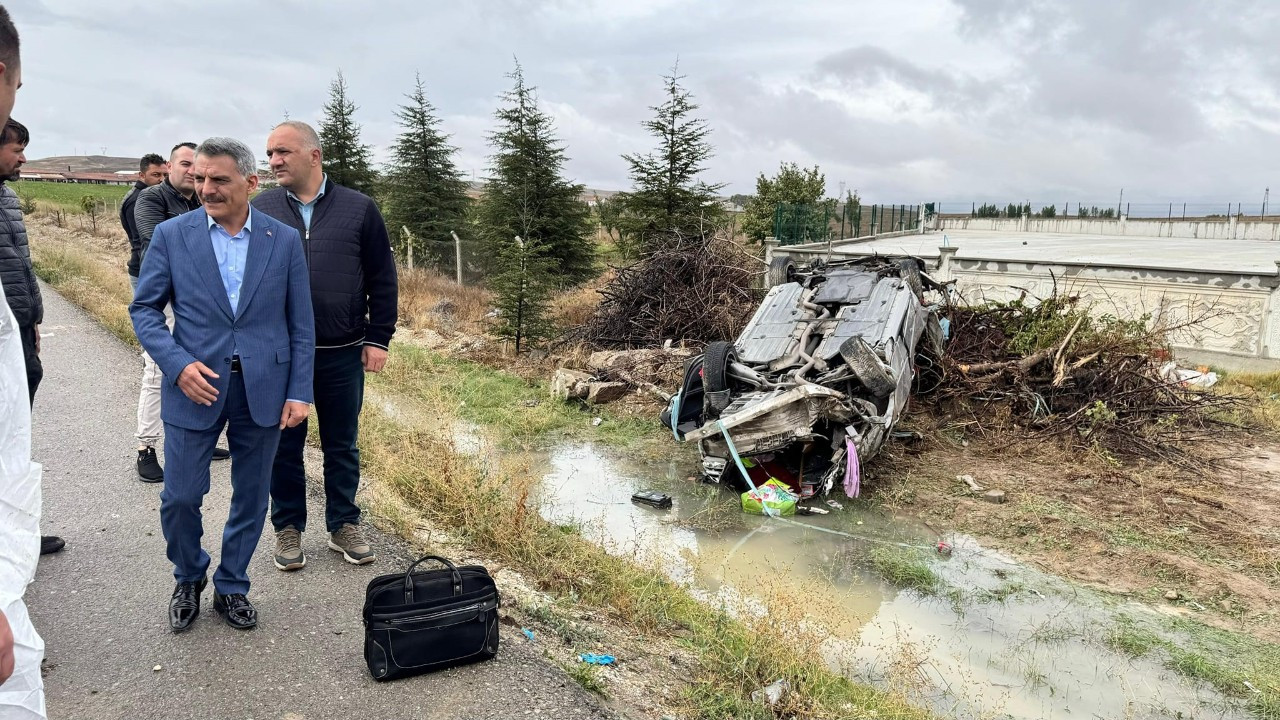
x,y
344,158
667,198
425,192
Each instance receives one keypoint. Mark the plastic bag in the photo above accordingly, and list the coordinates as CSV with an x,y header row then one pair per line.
x,y
772,495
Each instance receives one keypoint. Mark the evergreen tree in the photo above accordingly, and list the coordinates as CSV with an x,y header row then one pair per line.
x,y
527,196
523,285
345,159
793,185
667,196
424,192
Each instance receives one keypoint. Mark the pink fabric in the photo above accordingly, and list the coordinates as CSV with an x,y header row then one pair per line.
x,y
852,469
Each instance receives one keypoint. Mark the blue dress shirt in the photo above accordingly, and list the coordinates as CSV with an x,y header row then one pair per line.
x,y
231,251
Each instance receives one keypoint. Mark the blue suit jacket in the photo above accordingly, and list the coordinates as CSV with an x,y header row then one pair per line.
x,y
273,329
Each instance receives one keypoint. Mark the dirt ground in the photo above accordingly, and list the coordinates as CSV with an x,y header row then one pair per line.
x,y
1205,546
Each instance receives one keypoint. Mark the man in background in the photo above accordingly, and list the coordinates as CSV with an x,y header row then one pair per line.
x,y
21,291
152,170
354,294
21,648
172,196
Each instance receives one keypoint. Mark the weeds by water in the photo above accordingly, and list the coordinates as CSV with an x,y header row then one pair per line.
x,y
905,568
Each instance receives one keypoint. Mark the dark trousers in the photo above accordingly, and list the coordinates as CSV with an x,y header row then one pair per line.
x,y
186,481
339,395
35,368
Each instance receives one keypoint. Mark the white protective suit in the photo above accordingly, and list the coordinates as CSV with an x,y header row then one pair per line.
x,y
22,695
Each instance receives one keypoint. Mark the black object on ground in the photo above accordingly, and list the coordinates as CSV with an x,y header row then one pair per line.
x,y
652,497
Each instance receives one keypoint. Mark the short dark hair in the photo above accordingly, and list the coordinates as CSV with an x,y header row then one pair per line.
x,y
148,160
14,131
182,145
8,40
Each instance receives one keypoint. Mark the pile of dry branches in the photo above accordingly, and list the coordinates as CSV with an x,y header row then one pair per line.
x,y
1053,369
696,289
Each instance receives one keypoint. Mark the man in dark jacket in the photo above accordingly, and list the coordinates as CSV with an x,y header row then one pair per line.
x,y
354,295
151,171
171,197
16,274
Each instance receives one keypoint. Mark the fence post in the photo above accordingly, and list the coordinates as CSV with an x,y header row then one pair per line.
x,y
457,255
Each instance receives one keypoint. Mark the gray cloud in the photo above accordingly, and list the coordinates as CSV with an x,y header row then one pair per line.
x,y
941,99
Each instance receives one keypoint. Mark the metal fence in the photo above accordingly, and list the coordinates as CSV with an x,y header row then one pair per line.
x,y
1176,210
796,224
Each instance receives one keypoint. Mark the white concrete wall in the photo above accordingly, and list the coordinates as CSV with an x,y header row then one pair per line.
x,y
1205,229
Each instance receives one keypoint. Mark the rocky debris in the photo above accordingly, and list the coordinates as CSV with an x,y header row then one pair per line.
x,y
600,393
568,383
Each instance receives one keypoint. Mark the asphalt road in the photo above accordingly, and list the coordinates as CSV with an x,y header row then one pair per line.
x,y
101,604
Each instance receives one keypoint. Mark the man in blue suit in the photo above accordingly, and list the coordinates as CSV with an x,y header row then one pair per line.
x,y
241,356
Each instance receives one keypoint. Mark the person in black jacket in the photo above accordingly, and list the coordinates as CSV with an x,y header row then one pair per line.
x,y
152,170
354,296
171,197
21,290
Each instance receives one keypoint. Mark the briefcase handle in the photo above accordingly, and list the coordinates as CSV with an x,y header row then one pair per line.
x,y
408,576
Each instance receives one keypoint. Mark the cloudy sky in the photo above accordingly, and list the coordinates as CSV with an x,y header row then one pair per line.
x,y
951,100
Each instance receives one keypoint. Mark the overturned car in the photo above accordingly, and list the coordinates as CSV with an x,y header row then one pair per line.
x,y
817,380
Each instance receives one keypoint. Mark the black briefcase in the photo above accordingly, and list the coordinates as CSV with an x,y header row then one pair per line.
x,y
417,622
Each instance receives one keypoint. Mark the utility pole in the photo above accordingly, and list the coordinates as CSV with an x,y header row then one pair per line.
x,y
1266,195
1121,203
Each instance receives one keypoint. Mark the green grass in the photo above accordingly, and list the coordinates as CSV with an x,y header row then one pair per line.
x,y
905,568
588,676
513,408
1132,641
1224,659
67,195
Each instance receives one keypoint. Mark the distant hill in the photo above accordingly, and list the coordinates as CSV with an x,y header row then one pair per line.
x,y
82,163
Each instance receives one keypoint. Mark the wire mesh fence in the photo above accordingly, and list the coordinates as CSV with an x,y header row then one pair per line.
x,y
799,223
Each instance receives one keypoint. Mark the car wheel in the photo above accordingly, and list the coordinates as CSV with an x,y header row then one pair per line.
x,y
781,270
909,269
862,360
715,377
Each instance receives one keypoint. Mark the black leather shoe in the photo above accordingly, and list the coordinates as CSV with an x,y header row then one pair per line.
x,y
221,454
51,544
184,606
236,610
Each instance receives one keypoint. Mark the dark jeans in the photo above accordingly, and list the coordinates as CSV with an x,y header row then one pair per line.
x,y
339,395
35,369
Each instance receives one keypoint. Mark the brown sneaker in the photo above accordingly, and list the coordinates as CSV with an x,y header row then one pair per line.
x,y
289,555
351,543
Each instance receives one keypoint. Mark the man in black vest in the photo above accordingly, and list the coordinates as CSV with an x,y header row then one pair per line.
x,y
354,296
152,170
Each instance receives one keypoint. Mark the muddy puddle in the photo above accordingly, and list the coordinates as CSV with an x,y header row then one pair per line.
x,y
998,640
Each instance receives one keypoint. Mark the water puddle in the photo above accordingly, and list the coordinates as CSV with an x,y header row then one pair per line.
x,y
1001,640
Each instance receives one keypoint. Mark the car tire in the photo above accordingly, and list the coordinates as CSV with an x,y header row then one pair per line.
x,y
862,360
909,270
715,378
781,270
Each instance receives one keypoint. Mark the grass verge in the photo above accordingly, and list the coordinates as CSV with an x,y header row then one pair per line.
x,y
493,511
81,276
513,408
